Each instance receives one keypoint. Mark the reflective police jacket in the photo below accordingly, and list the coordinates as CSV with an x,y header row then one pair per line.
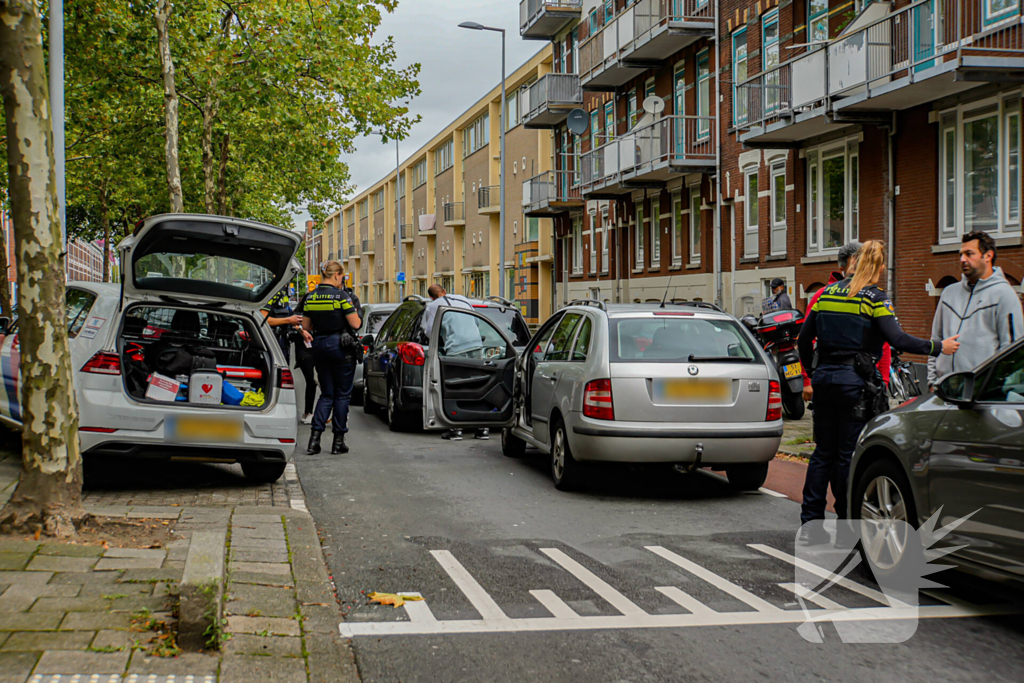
x,y
327,307
846,325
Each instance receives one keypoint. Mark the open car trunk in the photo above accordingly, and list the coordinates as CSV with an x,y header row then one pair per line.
x,y
215,356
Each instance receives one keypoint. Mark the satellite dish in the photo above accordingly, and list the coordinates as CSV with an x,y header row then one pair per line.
x,y
578,121
654,105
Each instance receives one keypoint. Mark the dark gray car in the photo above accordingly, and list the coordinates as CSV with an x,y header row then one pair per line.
x,y
955,452
374,317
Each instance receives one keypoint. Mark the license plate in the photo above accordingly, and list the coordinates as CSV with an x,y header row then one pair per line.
x,y
692,391
203,429
794,370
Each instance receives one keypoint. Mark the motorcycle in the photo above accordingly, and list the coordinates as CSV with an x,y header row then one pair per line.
x,y
778,331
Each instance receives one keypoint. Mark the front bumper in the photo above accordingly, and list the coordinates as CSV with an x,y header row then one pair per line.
x,y
656,442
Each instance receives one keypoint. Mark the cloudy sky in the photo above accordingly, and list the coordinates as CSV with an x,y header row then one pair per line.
x,y
458,68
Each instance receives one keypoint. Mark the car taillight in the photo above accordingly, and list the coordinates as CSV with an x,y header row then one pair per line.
x,y
774,402
411,353
366,349
103,363
285,379
597,400
97,430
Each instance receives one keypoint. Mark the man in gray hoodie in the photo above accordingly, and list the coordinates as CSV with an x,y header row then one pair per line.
x,y
982,308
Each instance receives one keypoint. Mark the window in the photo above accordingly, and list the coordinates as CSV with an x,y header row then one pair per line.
x,y
695,226
631,108
401,184
834,194
593,244
1005,383
77,304
609,121
980,169
679,90
478,285
575,52
997,10
739,74
778,244
593,21
419,174
678,216
671,339
511,111
559,347
443,157
464,335
770,60
656,232
532,229
476,135
649,89
595,127
604,242
609,11
750,215
582,346
577,245
638,235
378,200
703,95
818,21
364,208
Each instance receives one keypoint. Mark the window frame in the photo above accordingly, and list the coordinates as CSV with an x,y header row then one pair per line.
x,y
676,241
778,172
638,236
849,150
990,17
773,102
703,84
695,219
816,21
737,35
609,121
577,245
751,229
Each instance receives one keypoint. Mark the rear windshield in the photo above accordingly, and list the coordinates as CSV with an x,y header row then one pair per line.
x,y
236,273
509,321
672,339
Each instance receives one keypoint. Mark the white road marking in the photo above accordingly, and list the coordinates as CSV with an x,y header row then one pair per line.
x,y
809,595
812,568
685,600
772,493
482,602
741,594
418,610
554,604
594,583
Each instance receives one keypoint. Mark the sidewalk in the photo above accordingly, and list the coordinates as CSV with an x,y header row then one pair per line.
x,y
72,612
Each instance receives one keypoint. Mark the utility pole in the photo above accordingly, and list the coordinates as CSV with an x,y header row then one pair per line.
x,y
56,30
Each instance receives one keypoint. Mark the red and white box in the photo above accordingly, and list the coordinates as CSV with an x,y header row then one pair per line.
x,y
162,388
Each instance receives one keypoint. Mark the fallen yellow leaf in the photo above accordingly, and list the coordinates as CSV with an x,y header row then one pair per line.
x,y
396,599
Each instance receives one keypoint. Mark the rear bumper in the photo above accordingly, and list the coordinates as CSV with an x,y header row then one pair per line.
x,y
158,451
646,442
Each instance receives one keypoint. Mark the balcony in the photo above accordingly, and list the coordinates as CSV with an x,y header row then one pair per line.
x,y
641,37
551,99
884,62
405,233
544,19
488,200
648,156
552,193
368,247
454,214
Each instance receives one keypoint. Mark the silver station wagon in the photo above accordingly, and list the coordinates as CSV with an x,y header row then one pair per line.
x,y
679,383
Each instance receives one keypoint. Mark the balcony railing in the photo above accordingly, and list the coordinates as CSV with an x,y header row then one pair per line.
x,y
671,141
366,246
635,26
906,44
351,250
530,11
488,197
553,91
551,188
454,212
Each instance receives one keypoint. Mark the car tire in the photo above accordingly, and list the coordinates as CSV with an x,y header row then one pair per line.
x,y
396,418
357,395
369,407
882,492
747,477
511,445
566,471
263,472
793,406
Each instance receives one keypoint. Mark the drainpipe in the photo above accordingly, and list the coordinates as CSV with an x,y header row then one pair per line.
x,y
732,255
717,265
889,278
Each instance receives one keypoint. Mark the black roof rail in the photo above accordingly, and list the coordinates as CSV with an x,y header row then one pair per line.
x,y
502,301
414,297
698,304
588,302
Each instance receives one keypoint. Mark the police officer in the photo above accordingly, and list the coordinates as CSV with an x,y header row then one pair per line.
x,y
278,312
851,320
331,319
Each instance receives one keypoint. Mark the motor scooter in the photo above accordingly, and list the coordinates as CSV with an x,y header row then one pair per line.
x,y
778,332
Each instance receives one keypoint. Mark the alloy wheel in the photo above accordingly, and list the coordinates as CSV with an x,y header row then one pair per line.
x,y
558,455
391,405
882,509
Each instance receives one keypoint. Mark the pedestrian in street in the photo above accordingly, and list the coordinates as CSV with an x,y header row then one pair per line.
x,y
983,308
304,362
850,321
461,338
279,315
329,321
779,300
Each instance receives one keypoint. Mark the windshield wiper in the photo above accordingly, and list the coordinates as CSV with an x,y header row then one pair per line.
x,y
719,359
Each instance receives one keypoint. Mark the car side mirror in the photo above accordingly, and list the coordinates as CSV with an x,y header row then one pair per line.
x,y
5,324
367,341
957,389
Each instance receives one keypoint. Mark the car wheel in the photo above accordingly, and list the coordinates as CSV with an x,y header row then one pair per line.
x,y
882,498
512,445
793,405
263,472
369,407
357,395
747,477
396,420
565,469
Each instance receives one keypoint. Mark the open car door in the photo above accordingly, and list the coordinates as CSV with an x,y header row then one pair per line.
x,y
470,373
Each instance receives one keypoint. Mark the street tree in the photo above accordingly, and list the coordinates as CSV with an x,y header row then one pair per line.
x,y
48,496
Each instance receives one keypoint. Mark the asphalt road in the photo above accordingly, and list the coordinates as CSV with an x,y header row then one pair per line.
x,y
526,583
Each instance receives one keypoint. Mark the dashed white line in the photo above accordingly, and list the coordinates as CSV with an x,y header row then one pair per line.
x,y
741,594
554,604
482,602
594,582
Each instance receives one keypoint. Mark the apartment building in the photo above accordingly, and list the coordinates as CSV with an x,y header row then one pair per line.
x,y
315,254
447,224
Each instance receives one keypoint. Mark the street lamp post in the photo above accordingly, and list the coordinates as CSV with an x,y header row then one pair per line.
x,y
473,26
398,217
56,76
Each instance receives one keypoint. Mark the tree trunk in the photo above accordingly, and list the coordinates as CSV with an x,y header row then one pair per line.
x,y
49,493
222,177
163,15
5,289
210,107
105,220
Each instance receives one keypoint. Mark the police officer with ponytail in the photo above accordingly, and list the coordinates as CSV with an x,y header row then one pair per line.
x,y
331,319
850,321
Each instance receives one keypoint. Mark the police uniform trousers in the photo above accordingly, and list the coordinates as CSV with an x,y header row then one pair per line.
x,y
335,369
837,390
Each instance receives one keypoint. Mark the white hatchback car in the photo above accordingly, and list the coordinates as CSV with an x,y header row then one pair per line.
x,y
182,295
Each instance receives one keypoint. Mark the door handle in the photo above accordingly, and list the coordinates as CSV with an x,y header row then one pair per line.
x,y
554,377
489,363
